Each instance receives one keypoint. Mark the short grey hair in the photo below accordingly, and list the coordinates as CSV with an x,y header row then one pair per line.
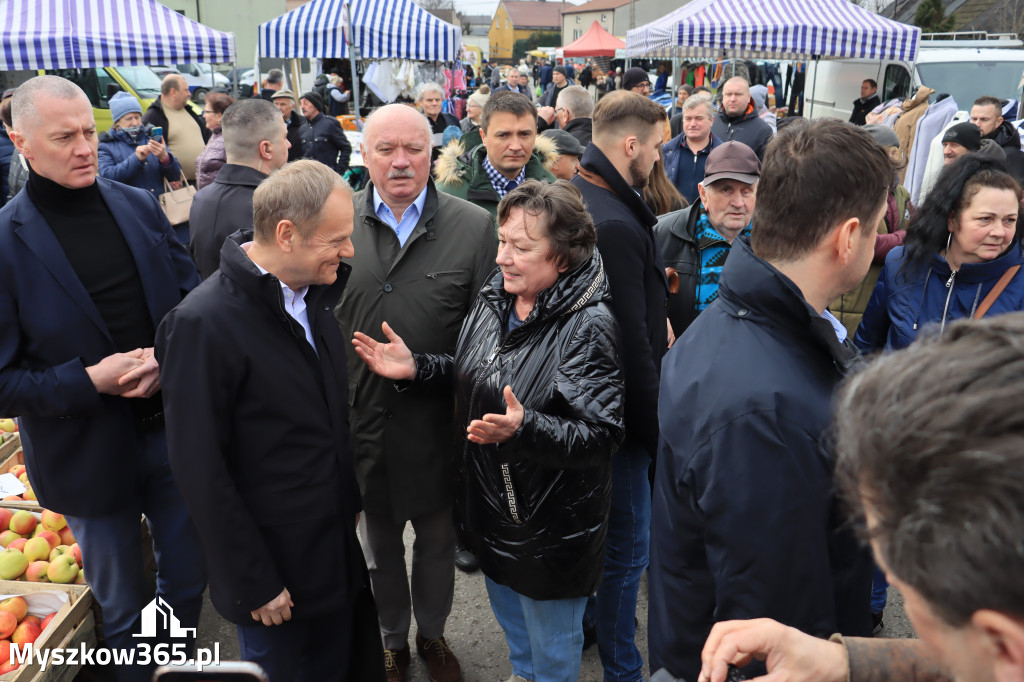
x,y
429,86
297,192
523,71
246,124
23,104
697,100
577,100
373,121
275,76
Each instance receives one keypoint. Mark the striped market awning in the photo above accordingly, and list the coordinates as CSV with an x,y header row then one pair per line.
x,y
384,29
67,34
774,29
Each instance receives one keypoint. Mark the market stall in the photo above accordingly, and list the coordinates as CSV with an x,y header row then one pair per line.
x,y
596,42
775,29
70,34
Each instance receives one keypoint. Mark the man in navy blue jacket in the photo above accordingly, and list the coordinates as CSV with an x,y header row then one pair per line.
x,y
88,267
744,522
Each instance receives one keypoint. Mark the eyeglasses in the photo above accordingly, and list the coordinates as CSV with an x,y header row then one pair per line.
x,y
643,86
559,109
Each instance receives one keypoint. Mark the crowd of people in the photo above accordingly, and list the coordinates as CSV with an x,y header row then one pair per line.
x,y
563,344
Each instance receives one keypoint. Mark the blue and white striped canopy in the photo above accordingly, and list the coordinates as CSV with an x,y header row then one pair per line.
x,y
67,34
775,29
384,29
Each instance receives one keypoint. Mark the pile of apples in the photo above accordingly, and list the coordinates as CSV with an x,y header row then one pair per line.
x,y
39,552
8,427
18,627
21,472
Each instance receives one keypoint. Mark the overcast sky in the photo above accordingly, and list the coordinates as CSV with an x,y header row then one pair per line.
x,y
489,6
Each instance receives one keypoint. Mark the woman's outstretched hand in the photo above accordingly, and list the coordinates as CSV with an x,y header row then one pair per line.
x,y
497,428
392,360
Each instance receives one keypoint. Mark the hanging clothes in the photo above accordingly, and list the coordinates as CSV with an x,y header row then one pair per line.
x,y
906,125
929,127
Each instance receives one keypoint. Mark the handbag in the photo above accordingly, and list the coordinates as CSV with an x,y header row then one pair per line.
x,y
176,203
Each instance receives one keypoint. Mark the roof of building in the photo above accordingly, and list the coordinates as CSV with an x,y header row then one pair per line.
x,y
596,6
534,13
474,19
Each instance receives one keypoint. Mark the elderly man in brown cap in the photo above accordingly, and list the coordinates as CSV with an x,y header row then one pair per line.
x,y
695,242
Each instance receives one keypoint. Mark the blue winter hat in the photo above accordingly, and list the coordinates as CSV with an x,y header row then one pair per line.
x,y
123,103
450,133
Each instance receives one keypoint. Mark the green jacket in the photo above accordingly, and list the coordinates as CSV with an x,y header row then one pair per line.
x,y
462,174
402,441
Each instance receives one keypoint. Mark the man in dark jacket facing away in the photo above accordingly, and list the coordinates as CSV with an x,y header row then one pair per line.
x,y
421,256
987,114
575,111
256,396
745,523
284,100
738,119
323,139
256,145
615,167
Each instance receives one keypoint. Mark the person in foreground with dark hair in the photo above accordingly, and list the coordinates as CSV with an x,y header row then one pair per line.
x,y
745,523
934,461
539,393
961,258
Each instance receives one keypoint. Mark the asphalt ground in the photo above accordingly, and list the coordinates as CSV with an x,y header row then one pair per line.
x,y
478,642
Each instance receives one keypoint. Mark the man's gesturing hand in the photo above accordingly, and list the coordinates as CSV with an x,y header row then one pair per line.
x,y
275,611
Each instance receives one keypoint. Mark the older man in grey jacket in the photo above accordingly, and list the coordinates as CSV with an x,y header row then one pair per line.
x,y
420,258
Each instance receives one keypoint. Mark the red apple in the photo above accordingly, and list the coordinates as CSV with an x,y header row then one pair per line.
x,y
6,666
53,521
16,605
5,651
76,552
5,517
31,619
14,498
66,538
51,537
26,633
23,522
8,622
17,469
46,621
18,544
37,549
36,572
29,494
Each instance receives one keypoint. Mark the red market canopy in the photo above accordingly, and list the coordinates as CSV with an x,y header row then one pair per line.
x,y
596,42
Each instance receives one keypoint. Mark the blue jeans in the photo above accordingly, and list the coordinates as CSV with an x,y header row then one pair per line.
x,y
626,558
308,650
879,588
112,555
545,638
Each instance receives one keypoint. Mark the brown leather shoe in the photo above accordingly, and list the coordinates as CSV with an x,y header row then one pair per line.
x,y
441,661
396,664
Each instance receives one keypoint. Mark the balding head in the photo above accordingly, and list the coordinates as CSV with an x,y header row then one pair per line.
x,y
396,149
736,96
24,112
174,91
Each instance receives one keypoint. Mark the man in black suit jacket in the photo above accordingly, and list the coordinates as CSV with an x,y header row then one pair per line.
x,y
867,102
256,396
88,267
613,170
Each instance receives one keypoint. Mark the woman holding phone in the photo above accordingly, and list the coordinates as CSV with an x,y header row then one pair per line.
x,y
130,153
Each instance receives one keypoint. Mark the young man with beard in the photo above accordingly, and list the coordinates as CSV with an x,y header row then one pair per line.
x,y
987,114
628,133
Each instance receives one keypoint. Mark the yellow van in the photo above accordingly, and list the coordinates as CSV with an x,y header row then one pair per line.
x,y
100,84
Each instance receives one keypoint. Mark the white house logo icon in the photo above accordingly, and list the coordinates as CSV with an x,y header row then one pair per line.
x,y
159,614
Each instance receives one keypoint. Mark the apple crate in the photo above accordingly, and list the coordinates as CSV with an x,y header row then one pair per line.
x,y
73,625
11,453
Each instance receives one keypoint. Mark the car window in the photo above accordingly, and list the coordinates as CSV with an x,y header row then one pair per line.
x,y
897,83
967,81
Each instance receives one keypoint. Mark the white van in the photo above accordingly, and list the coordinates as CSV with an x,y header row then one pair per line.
x,y
964,69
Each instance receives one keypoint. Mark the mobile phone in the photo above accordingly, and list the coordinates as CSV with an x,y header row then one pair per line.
x,y
157,133
230,671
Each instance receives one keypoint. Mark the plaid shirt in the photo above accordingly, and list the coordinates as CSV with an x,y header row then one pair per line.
x,y
499,181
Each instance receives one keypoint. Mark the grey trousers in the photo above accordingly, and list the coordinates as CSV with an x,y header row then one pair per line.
x,y
433,574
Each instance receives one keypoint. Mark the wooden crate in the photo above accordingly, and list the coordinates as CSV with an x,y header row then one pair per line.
x,y
73,625
11,453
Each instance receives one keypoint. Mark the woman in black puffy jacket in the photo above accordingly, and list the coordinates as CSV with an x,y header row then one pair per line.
x,y
539,396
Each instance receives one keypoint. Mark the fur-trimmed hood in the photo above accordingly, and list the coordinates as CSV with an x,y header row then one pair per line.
x,y
454,160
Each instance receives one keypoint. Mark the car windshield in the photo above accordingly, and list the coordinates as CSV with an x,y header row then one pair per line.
x,y
967,81
142,80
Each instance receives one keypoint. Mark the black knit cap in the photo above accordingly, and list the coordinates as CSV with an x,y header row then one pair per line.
x,y
315,100
966,135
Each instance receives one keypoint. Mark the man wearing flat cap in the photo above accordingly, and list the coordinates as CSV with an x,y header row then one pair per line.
x,y
568,151
696,241
323,139
284,100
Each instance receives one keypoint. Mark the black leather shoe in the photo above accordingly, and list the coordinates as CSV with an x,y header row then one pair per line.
x,y
464,560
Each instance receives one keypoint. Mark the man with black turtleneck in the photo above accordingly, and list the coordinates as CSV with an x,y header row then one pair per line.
x,y
88,267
